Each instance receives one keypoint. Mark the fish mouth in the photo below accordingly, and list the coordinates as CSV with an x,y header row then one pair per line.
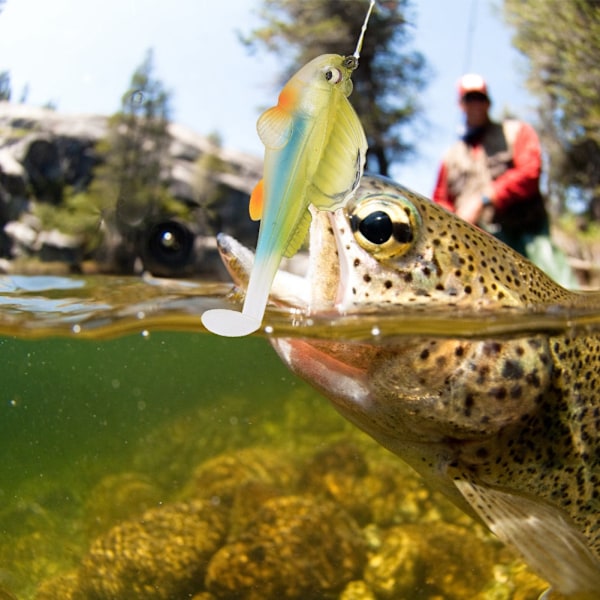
x,y
311,282
327,273
328,279
290,287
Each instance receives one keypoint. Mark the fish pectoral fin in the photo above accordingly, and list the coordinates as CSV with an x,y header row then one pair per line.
x,y
255,208
299,235
342,161
275,128
542,533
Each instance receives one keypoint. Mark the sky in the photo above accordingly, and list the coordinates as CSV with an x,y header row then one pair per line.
x,y
81,55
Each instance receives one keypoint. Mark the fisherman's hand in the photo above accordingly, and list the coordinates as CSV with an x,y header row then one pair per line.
x,y
470,208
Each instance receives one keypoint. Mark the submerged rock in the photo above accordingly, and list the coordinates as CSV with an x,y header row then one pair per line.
x,y
263,523
220,478
430,560
297,547
65,587
357,590
120,497
161,556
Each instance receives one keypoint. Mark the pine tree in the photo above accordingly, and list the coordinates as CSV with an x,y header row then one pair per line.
x,y
5,89
561,41
136,150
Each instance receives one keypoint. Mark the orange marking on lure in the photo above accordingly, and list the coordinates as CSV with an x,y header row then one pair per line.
x,y
287,98
257,201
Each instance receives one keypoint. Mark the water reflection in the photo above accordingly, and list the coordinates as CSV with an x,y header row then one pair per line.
x,y
105,306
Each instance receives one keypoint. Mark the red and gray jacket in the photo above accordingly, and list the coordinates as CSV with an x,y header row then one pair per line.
x,y
502,163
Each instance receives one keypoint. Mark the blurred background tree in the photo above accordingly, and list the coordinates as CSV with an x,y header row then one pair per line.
x,y
561,41
209,191
5,89
135,152
129,186
390,75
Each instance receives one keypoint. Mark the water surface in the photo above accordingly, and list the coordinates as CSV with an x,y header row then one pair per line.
x,y
114,399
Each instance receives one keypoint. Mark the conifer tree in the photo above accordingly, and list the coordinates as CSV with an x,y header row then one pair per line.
x,y
561,41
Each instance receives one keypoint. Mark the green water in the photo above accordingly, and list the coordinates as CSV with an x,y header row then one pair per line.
x,y
113,399
68,398
73,411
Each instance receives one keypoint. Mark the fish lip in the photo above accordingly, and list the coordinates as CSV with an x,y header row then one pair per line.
x,y
343,271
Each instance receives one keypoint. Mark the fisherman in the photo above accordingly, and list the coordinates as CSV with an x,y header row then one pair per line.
x,y
490,177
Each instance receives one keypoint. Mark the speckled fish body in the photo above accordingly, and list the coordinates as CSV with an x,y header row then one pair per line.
x,y
508,427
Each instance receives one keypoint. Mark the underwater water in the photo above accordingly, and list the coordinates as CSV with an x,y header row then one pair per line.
x,y
144,458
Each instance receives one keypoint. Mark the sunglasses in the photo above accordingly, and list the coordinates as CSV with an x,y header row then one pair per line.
x,y
475,97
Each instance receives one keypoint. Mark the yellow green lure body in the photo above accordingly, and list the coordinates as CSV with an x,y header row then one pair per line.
x,y
315,150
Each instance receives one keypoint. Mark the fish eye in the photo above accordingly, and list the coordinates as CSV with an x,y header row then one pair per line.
x,y
333,75
376,227
385,226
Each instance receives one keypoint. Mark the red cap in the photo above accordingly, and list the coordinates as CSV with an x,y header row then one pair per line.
x,y
472,83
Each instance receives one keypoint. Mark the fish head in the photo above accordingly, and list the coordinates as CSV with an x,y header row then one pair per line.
x,y
392,247
477,416
389,248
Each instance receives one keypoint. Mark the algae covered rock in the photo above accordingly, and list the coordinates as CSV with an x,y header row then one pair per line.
x,y
120,497
65,587
161,556
220,478
372,490
296,548
357,590
428,560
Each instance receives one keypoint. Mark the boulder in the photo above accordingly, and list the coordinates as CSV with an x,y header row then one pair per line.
x,y
43,151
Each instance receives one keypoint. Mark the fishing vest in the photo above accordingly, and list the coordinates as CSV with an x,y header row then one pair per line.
x,y
471,172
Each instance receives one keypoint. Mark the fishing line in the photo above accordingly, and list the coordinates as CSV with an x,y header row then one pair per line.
x,y
363,29
471,23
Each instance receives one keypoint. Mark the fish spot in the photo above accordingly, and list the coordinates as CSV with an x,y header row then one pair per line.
x,y
516,392
512,369
469,403
492,348
499,393
533,380
482,453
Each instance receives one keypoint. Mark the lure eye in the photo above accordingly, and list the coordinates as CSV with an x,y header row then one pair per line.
x,y
385,226
333,75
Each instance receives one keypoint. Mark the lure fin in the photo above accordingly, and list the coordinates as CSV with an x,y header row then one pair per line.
x,y
299,236
342,161
256,205
275,128
542,533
